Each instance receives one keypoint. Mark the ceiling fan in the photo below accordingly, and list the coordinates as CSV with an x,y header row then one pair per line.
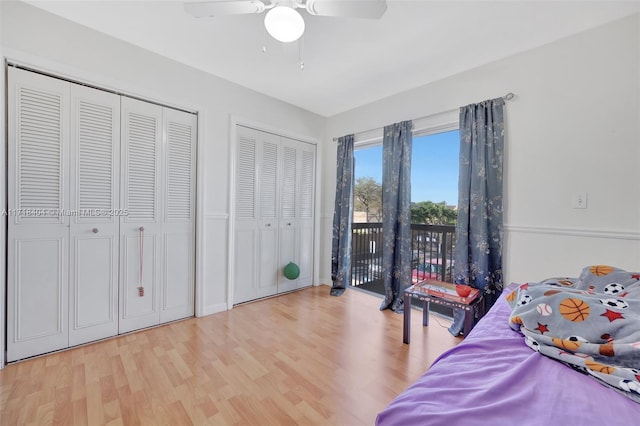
x,y
282,21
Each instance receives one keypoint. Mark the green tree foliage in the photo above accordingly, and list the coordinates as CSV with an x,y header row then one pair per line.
x,y
368,198
432,213
367,195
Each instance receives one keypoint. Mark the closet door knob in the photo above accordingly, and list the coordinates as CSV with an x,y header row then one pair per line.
x,y
94,230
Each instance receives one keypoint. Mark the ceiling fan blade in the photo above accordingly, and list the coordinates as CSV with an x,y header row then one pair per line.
x,y
369,9
203,9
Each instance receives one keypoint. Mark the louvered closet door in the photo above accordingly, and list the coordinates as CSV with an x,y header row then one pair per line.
x,y
37,252
245,268
141,230
94,172
306,207
289,200
268,189
177,293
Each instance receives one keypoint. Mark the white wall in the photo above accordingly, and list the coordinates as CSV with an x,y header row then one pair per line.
x,y
32,36
574,126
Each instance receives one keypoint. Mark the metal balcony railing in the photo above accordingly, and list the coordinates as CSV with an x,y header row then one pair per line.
x,y
431,254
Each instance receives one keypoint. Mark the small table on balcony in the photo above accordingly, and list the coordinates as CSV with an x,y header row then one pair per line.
x,y
440,293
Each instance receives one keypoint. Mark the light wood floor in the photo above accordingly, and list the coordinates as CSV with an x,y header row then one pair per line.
x,y
302,358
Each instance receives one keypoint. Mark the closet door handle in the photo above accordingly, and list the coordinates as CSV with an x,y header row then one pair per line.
x,y
94,230
268,225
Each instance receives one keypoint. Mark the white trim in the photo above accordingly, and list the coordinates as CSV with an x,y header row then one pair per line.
x,y
101,81
231,241
200,228
368,138
436,123
246,122
3,207
317,225
440,122
214,309
574,232
441,128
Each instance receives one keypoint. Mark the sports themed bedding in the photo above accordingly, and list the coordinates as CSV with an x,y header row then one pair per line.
x,y
494,378
592,324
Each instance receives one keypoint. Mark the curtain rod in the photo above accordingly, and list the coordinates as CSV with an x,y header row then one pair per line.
x,y
508,97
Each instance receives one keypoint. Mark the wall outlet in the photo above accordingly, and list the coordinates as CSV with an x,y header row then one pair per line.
x,y
579,200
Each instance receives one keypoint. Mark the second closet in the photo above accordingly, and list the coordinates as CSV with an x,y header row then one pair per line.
x,y
274,213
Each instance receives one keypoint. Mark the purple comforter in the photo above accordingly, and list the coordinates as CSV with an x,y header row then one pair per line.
x,y
494,378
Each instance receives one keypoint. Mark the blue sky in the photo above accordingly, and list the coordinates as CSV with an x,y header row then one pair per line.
x,y
434,167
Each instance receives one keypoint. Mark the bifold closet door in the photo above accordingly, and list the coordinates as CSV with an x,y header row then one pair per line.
x,y
288,240
37,252
274,213
141,228
305,212
101,226
245,256
297,212
157,235
94,224
178,279
257,207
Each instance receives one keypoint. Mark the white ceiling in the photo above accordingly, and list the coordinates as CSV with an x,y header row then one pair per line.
x,y
348,62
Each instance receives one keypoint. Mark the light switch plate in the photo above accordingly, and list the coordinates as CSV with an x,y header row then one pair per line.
x,y
579,200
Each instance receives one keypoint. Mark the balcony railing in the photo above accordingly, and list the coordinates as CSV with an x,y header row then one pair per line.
x,y
431,254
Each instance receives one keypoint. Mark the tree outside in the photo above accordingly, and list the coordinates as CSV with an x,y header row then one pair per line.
x,y
367,194
368,199
431,213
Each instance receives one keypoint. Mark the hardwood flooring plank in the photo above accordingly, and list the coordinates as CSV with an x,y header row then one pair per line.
x,y
303,358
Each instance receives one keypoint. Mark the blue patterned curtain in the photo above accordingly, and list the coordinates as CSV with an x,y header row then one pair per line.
x,y
479,229
396,213
342,217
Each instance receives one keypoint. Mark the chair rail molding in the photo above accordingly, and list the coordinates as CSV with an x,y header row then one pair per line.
x,y
575,232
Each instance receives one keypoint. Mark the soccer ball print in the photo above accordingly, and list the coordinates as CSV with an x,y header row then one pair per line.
x,y
614,303
613,289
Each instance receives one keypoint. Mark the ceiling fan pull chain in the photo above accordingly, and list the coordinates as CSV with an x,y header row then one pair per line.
x,y
140,261
264,39
301,53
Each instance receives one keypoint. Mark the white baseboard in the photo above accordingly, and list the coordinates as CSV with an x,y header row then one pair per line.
x,y
213,309
325,281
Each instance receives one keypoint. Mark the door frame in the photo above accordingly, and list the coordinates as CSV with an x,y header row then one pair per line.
x,y
237,120
13,57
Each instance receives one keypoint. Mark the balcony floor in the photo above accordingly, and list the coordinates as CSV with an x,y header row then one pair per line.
x,y
377,287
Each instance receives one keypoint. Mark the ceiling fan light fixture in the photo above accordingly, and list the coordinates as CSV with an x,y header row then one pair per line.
x,y
284,24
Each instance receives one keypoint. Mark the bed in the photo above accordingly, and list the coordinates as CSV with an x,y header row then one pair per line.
x,y
495,377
